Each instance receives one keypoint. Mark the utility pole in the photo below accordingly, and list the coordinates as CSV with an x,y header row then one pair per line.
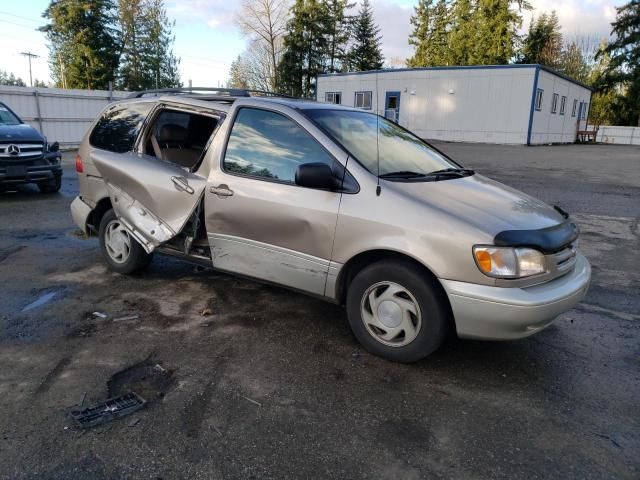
x,y
29,55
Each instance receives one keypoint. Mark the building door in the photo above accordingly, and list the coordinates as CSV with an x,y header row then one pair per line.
x,y
392,106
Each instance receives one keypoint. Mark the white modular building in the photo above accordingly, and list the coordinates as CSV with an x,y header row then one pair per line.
x,y
504,104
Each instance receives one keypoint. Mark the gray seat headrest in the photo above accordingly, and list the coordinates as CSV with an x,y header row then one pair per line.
x,y
172,134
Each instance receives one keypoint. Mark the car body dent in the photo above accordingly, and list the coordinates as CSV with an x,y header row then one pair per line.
x,y
144,195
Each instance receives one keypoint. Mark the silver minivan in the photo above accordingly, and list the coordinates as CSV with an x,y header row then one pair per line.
x,y
332,201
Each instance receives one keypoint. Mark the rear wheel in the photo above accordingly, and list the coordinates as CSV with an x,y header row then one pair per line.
x,y
121,251
51,186
397,310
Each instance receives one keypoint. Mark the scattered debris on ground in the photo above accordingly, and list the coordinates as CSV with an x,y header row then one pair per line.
x,y
206,312
126,318
77,233
252,401
134,422
109,410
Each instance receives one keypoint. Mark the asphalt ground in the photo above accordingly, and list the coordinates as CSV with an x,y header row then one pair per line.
x,y
272,384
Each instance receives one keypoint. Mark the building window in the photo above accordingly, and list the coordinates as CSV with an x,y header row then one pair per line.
x,y
575,106
583,112
554,103
363,100
563,102
539,95
333,97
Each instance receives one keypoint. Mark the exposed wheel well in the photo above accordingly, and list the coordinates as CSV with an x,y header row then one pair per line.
x,y
102,207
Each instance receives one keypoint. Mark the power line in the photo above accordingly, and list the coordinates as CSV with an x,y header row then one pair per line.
x,y
20,16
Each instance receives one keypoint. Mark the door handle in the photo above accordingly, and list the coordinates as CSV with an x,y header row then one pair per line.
x,y
182,184
221,191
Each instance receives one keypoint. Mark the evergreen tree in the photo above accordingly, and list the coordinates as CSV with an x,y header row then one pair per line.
x,y
305,46
606,104
131,72
463,33
338,34
11,80
238,74
543,43
623,71
147,59
497,23
365,53
83,45
420,37
159,60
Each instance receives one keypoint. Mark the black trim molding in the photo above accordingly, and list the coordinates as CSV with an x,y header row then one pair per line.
x,y
547,240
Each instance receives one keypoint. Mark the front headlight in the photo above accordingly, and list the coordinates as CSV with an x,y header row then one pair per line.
x,y
507,262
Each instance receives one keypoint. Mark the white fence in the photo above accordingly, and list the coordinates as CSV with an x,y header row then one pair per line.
x,y
61,115
619,135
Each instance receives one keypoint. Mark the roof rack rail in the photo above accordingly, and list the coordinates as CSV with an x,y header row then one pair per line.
x,y
218,91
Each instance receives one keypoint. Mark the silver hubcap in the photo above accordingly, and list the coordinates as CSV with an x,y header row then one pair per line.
x,y
391,314
118,242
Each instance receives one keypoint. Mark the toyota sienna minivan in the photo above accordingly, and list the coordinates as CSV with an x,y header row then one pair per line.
x,y
332,201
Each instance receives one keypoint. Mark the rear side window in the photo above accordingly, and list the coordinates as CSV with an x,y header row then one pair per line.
x,y
118,128
269,145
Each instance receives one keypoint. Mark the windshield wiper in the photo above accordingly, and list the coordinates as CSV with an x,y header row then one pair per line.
x,y
403,174
462,172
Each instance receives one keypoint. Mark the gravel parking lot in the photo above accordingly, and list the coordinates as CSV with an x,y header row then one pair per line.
x,y
272,384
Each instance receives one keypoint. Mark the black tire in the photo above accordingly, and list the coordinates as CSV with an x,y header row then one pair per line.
x,y
435,312
52,186
136,260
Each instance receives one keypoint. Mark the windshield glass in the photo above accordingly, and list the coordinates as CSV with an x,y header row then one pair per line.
x,y
400,150
8,118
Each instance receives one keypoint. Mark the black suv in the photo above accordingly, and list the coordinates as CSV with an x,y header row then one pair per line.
x,y
25,156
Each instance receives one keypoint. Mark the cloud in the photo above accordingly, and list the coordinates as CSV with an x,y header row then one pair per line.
x,y
591,18
395,28
215,13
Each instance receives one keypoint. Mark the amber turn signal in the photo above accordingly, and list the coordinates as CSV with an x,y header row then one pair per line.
x,y
484,260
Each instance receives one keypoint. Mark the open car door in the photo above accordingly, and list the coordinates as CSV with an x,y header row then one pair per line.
x,y
151,197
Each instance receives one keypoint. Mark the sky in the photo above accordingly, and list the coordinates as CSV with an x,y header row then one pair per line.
x,y
207,40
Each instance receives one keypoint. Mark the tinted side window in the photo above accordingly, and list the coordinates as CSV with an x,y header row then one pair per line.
x,y
269,145
118,128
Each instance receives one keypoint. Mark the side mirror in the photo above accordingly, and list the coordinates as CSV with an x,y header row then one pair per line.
x,y
54,147
316,175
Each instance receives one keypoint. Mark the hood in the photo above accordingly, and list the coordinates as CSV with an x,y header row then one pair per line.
x,y
488,205
21,132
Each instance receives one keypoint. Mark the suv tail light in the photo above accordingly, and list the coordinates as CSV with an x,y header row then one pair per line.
x,y
79,166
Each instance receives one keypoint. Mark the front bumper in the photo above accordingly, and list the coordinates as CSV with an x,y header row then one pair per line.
x,y
497,313
80,212
32,170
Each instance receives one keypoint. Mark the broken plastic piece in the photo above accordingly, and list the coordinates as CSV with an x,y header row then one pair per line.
x,y
108,410
129,317
99,314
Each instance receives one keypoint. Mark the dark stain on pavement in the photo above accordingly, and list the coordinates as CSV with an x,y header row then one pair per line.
x,y
53,374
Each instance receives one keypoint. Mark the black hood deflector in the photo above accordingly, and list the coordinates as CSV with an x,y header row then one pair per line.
x,y
547,240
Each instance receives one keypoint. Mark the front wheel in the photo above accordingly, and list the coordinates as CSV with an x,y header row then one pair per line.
x,y
397,310
121,251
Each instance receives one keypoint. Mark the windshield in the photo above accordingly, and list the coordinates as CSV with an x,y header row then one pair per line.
x,y
400,150
8,118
